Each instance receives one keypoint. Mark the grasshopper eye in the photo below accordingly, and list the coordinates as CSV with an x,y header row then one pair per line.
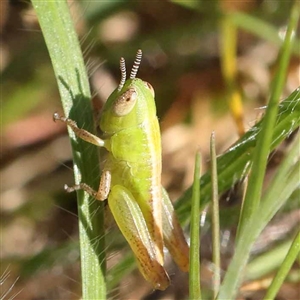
x,y
125,103
149,86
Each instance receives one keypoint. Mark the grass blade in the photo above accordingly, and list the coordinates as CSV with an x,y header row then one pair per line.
x,y
273,200
69,68
260,28
262,150
267,262
194,280
284,269
234,163
228,49
215,218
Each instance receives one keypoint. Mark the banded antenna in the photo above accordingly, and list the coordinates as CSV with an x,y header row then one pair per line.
x,y
123,73
136,64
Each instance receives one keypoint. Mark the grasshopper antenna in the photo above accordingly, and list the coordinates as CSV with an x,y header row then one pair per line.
x,y
123,73
136,64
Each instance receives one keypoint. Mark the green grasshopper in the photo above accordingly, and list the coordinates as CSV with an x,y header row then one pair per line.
x,y
131,177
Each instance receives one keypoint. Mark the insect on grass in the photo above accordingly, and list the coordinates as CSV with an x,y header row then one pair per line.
x,y
131,176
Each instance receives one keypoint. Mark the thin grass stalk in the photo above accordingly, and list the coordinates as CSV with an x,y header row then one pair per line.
x,y
284,269
215,219
194,280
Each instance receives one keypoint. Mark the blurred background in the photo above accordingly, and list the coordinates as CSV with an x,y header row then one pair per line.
x,y
183,59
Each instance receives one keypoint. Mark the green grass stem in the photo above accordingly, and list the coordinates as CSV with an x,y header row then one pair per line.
x,y
215,218
280,189
284,269
263,148
233,164
67,60
194,280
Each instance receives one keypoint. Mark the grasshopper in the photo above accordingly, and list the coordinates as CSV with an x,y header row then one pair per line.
x,y
131,177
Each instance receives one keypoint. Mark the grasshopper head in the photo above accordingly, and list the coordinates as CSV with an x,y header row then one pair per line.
x,y
130,104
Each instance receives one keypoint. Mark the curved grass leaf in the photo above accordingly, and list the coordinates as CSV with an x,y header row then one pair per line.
x,y
67,60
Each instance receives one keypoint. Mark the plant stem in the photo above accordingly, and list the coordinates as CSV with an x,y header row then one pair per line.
x,y
65,53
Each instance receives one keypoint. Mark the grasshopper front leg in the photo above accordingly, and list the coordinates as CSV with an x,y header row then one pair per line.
x,y
105,181
103,191
81,133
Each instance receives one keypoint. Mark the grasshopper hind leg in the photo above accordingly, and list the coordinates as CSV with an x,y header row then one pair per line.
x,y
132,224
